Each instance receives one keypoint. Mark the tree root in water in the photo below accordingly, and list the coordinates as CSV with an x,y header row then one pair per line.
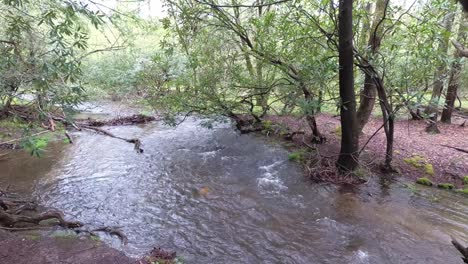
x,y
110,230
462,249
18,214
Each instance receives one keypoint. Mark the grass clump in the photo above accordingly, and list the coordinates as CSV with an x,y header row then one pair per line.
x,y
463,191
465,180
446,186
297,156
424,181
420,162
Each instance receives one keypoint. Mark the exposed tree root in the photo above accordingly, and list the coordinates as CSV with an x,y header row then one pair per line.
x,y
109,230
462,249
18,214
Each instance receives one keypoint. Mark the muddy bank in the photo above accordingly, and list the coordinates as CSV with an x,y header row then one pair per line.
x,y
37,248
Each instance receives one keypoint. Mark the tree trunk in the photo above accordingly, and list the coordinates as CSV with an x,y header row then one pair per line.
x,y
348,159
454,76
368,93
432,108
317,137
451,93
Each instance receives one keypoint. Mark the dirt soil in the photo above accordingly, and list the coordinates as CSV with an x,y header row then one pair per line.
x,y
18,248
411,140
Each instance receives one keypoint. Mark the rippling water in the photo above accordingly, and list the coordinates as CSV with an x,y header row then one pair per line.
x,y
216,196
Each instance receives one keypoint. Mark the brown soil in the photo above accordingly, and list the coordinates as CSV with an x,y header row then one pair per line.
x,y
37,249
411,140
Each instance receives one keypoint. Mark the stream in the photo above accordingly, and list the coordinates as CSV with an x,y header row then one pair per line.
x,y
216,196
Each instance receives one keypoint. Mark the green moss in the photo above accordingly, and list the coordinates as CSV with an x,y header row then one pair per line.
x,y
95,238
338,131
33,237
463,191
424,181
297,156
420,163
465,180
64,234
267,125
415,161
360,173
446,186
429,169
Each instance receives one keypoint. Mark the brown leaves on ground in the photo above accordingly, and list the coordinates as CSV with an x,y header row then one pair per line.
x,y
411,140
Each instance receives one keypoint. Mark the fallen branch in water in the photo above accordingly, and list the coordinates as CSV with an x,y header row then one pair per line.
x,y
134,141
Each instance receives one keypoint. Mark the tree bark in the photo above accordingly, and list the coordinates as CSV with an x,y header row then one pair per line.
x,y
432,108
454,79
348,158
369,93
451,93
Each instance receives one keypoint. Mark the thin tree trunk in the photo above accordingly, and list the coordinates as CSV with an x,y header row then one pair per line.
x,y
348,159
432,108
368,93
454,76
317,137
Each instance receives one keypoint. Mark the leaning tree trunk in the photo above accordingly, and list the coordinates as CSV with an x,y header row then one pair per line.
x,y
348,158
432,108
451,93
317,137
369,92
454,76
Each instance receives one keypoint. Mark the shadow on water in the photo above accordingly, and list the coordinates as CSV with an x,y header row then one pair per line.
x,y
216,196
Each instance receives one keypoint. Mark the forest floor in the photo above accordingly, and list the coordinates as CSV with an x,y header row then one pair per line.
x,y
416,153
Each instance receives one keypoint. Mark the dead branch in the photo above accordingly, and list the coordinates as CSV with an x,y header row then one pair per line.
x,y
134,141
459,149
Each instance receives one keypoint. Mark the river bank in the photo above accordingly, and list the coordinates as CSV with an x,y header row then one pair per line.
x,y
214,195
417,154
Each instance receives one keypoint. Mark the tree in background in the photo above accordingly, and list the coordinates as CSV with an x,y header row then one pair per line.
x,y
41,44
454,75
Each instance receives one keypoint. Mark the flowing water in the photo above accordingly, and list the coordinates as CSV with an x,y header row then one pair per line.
x,y
216,196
